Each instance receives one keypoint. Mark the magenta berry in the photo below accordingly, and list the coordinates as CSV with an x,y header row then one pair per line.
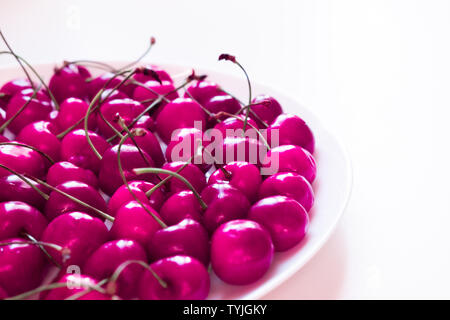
x,y
203,91
78,233
166,88
12,188
231,127
187,237
225,203
41,135
76,284
98,83
147,141
289,184
246,149
70,82
178,114
285,219
108,257
222,103
292,130
181,205
186,279
241,252
65,171
289,158
17,217
23,160
10,88
191,172
70,112
58,204
21,266
266,111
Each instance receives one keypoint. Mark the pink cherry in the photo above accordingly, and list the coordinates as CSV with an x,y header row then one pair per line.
x,y
12,188
203,91
70,82
181,205
231,127
191,172
225,103
166,88
244,149
98,83
65,171
70,112
23,160
148,142
267,112
12,87
76,283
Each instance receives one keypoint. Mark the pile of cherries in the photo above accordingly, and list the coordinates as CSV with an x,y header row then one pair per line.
x,y
86,187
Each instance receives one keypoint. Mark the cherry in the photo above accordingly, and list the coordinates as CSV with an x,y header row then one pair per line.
x,y
127,109
285,219
10,88
109,176
178,114
289,184
224,203
41,135
149,73
74,284
21,266
186,278
70,82
187,237
191,172
165,88
181,205
139,188
23,160
78,233
70,112
13,188
105,260
40,95
289,158
222,103
134,222
230,127
65,171
75,149
58,204
245,149
241,252
23,110
266,112
292,130
145,122
3,294
243,176
191,138
17,217
148,142
112,94
108,79
203,91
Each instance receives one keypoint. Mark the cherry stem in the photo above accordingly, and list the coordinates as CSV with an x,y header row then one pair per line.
x,y
96,287
84,204
176,175
142,56
50,245
122,124
21,177
209,113
122,174
52,97
8,122
12,143
18,60
117,132
140,84
125,264
31,238
95,64
257,117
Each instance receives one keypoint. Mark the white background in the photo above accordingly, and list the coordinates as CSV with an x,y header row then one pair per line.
x,y
376,72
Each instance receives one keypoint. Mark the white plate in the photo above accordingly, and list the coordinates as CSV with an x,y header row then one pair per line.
x,y
332,186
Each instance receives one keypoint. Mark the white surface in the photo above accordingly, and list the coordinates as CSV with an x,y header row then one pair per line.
x,y
378,72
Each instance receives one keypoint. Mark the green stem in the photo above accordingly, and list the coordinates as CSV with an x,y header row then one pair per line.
x,y
164,181
50,245
152,42
29,236
46,287
21,177
131,136
96,287
125,264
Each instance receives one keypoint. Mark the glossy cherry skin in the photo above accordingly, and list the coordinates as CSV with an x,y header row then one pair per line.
x,y
186,277
244,149
187,237
241,252
108,257
292,130
78,233
65,171
3,294
109,176
191,172
244,177
41,135
40,95
135,223
148,142
144,77
12,188
185,144
127,109
181,205
23,160
21,266
122,196
98,83
12,87
223,102
203,91
225,203
285,219
180,113
17,217
111,94
70,112
145,122
75,149
36,110
289,184
70,82
267,112
58,204
231,127
2,115
76,283
166,88
289,158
